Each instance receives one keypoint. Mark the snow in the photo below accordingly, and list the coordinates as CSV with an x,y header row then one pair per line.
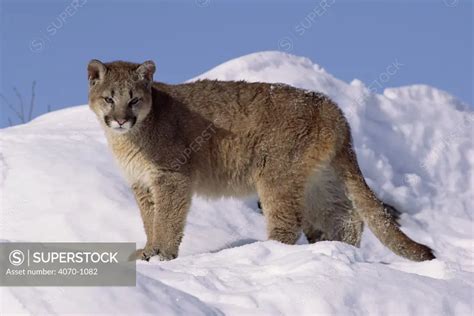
x,y
58,182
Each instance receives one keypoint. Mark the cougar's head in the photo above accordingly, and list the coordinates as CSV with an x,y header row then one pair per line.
x,y
120,93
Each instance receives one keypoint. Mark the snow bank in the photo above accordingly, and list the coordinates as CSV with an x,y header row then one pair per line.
x,y
58,182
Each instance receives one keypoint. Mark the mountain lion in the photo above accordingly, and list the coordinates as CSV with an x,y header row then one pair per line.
x,y
293,147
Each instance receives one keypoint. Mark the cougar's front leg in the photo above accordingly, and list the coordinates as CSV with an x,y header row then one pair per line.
x,y
171,192
145,203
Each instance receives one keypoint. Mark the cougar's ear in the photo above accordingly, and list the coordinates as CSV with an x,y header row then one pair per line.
x,y
96,71
146,70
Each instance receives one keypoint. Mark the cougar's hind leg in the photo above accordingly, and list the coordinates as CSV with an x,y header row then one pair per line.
x,y
283,208
329,214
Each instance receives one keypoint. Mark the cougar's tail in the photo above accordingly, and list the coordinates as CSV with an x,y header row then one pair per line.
x,y
394,213
378,216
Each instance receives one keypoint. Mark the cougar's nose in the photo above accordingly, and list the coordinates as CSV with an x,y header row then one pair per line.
x,y
121,121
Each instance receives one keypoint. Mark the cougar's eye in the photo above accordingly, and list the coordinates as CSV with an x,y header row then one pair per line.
x,y
133,101
109,100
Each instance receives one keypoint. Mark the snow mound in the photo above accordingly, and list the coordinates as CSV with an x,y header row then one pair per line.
x,y
58,182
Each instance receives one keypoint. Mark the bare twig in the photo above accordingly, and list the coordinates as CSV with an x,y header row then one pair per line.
x,y
32,102
19,109
22,111
10,106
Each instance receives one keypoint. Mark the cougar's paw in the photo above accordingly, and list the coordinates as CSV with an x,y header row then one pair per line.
x,y
143,254
315,236
285,236
165,257
135,255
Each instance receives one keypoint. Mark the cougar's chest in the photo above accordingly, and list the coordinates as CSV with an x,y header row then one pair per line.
x,y
132,161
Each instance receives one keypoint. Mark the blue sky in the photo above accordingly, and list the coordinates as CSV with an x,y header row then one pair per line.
x,y
52,41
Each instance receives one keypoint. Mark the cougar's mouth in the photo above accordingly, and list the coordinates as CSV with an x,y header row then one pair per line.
x,y
120,127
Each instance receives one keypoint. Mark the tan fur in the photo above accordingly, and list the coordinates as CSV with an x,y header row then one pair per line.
x,y
234,138
329,213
